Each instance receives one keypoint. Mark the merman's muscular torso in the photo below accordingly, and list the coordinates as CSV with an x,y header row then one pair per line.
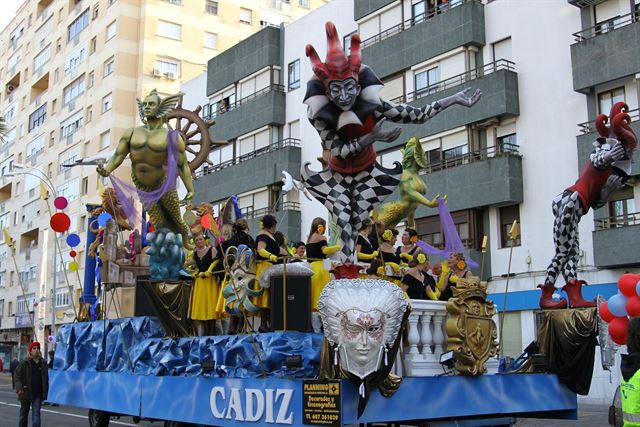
x,y
148,153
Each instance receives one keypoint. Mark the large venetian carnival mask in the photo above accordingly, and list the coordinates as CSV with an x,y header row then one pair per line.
x,y
362,319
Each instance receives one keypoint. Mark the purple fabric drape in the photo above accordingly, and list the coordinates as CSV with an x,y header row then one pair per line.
x,y
126,192
452,240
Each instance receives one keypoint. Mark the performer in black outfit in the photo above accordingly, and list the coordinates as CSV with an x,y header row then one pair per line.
x,y
417,282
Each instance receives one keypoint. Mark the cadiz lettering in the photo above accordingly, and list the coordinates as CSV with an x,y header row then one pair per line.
x,y
253,405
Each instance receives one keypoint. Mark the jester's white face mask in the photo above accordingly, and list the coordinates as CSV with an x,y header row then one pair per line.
x,y
363,318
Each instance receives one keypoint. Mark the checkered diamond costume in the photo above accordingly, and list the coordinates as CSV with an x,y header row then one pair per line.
x,y
597,181
354,183
350,198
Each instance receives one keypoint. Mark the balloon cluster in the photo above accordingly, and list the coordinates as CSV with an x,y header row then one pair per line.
x,y
622,306
60,223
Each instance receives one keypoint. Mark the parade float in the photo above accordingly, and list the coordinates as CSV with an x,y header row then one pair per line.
x,y
376,357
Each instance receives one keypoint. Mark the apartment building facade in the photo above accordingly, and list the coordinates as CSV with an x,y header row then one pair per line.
x,y
71,74
505,159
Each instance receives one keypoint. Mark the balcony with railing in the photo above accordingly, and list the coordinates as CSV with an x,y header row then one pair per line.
x,y
262,108
616,241
498,82
588,135
252,170
486,177
287,214
606,52
457,23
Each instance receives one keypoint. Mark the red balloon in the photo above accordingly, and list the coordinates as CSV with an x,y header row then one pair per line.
x,y
205,220
633,306
60,222
72,254
627,284
604,312
618,329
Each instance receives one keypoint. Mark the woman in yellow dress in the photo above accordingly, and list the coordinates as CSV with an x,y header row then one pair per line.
x,y
268,254
317,251
206,288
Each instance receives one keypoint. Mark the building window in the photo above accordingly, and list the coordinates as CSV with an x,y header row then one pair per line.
x,y
467,223
212,7
607,99
89,114
74,90
109,66
73,61
95,12
622,208
105,140
85,185
418,11
294,74
92,45
176,2
508,143
210,40
509,214
77,26
426,82
71,125
303,3
167,68
106,103
169,30
111,30
62,297
41,59
245,16
38,117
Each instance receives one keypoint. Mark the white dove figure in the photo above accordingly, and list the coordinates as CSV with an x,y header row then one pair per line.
x,y
95,160
290,183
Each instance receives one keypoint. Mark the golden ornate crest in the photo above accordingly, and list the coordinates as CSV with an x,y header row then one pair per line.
x,y
471,332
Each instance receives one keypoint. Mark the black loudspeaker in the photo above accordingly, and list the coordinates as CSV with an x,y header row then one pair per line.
x,y
298,300
143,306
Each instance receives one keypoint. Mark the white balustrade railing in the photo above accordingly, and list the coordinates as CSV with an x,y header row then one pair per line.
x,y
426,338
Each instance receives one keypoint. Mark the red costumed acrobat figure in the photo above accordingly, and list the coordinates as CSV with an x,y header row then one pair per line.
x,y
606,170
345,107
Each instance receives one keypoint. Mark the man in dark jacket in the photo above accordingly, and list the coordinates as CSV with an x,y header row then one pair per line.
x,y
32,385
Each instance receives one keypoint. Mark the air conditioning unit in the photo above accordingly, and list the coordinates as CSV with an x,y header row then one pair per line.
x,y
171,76
10,88
157,72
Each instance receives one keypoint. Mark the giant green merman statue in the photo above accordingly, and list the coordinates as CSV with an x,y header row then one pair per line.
x,y
412,189
157,158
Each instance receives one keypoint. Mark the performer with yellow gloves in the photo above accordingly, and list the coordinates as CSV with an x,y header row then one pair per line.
x,y
389,257
317,251
364,249
407,249
453,269
417,282
268,253
206,288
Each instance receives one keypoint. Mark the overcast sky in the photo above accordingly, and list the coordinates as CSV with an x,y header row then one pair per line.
x,y
9,8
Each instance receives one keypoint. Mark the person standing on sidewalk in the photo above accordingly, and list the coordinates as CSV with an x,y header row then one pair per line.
x,y
630,381
32,385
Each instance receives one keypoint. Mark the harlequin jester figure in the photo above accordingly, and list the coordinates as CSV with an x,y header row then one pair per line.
x,y
345,108
606,170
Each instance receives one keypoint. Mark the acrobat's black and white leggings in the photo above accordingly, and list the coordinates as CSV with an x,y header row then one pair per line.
x,y
567,212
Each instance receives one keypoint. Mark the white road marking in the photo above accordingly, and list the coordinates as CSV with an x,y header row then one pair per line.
x,y
68,414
